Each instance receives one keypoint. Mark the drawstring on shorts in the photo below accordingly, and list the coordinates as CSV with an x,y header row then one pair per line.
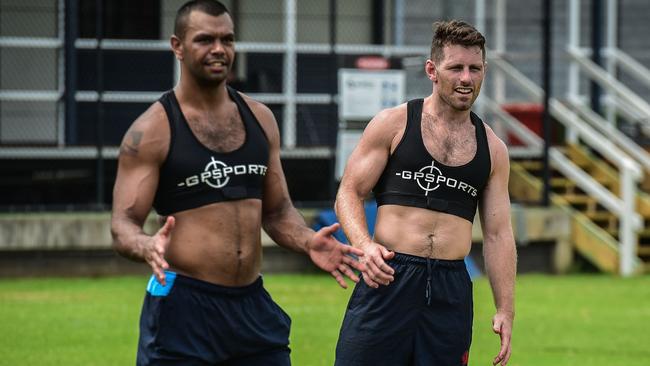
x,y
427,291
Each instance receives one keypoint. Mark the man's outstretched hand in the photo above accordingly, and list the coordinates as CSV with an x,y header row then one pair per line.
x,y
155,248
333,256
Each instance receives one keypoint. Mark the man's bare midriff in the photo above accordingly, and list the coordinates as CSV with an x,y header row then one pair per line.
x,y
218,243
423,232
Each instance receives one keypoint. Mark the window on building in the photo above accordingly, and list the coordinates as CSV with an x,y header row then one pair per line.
x,y
123,19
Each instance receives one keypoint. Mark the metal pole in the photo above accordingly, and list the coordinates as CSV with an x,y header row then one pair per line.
x,y
546,80
377,22
99,70
1,102
398,32
479,23
628,237
334,63
61,74
612,48
289,84
500,49
573,86
479,5
332,26
596,45
574,43
71,35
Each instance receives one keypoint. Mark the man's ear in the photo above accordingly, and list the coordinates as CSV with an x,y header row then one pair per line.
x,y
430,69
177,47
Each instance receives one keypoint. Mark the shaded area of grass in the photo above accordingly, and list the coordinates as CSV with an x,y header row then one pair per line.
x,y
569,320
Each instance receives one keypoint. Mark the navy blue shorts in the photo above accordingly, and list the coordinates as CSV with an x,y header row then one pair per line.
x,y
193,322
424,317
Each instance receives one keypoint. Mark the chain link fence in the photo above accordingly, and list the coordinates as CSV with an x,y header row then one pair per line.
x,y
74,74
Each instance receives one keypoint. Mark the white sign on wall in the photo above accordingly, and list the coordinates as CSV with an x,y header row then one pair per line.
x,y
363,93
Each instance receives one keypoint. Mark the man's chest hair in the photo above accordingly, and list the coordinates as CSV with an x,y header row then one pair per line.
x,y
222,134
450,146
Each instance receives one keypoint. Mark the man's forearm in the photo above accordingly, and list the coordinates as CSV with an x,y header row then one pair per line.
x,y
288,229
129,239
352,216
501,263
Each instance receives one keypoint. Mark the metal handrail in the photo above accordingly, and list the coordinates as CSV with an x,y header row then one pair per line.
x,y
608,82
147,97
628,145
630,65
288,97
629,170
568,118
9,95
111,152
514,125
564,165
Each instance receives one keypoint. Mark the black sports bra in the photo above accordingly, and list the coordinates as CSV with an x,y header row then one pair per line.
x,y
412,177
194,176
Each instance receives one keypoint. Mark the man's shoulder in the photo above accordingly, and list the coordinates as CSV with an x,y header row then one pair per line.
x,y
398,111
261,110
249,100
494,141
386,125
147,139
498,149
152,117
263,115
391,119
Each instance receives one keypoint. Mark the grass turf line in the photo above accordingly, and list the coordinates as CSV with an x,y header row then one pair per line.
x,y
561,320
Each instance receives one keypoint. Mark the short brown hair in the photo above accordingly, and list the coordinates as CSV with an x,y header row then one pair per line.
x,y
454,32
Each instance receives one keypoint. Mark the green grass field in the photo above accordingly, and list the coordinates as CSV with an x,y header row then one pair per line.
x,y
561,320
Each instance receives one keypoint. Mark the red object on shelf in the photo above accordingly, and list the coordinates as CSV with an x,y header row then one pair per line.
x,y
372,63
530,114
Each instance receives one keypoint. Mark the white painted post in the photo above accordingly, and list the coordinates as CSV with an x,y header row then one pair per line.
x,y
500,49
574,71
627,228
479,17
289,80
177,71
479,23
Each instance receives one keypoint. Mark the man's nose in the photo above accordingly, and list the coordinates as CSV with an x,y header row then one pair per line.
x,y
466,76
217,47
